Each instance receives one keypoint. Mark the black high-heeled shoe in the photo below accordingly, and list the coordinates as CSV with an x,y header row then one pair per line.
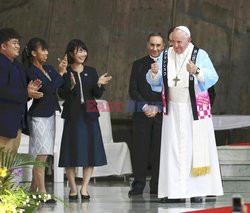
x,y
84,197
73,197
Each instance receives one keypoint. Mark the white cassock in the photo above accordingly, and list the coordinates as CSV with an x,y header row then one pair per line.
x,y
175,178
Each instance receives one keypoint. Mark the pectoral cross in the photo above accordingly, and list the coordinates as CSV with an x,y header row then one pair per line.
x,y
176,79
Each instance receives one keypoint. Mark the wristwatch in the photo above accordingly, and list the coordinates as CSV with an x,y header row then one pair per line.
x,y
197,71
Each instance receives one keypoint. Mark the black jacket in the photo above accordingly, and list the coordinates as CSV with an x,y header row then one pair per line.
x,y
48,104
72,103
13,97
139,89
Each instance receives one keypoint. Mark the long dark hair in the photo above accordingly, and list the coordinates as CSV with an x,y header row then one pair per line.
x,y
32,45
74,44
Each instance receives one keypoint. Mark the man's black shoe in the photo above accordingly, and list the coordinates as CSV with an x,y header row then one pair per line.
x,y
136,188
166,200
196,200
135,192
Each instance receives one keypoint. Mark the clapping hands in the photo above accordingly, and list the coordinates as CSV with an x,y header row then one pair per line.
x,y
33,88
104,79
62,65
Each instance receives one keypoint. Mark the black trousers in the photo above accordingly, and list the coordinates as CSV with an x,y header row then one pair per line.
x,y
146,149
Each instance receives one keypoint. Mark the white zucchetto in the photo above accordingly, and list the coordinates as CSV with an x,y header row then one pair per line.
x,y
184,29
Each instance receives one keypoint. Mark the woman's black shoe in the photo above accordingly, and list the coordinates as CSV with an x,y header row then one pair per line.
x,y
84,197
73,197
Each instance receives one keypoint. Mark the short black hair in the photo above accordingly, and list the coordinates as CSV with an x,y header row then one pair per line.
x,y
74,44
8,33
155,34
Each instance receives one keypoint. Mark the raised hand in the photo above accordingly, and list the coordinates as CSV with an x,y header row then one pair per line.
x,y
154,68
33,88
62,65
191,67
104,79
36,84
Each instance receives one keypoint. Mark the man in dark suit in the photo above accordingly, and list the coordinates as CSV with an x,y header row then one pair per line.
x,y
147,118
14,91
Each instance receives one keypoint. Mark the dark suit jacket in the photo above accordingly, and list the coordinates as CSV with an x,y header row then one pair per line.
x,y
13,97
48,104
139,89
72,103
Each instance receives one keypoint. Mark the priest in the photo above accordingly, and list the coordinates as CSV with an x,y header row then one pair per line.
x,y
147,117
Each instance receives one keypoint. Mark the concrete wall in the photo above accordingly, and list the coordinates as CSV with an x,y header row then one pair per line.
x,y
115,32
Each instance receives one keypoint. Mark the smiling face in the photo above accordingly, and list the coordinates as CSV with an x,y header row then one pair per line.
x,y
80,55
180,41
155,45
40,55
11,48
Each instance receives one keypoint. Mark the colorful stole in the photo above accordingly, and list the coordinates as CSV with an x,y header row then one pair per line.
x,y
201,109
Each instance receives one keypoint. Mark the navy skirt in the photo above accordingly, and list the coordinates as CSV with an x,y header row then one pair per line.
x,y
82,144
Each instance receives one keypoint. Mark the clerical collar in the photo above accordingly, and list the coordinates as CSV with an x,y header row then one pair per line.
x,y
156,58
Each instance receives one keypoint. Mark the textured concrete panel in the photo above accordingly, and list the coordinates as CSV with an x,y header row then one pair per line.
x,y
115,33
